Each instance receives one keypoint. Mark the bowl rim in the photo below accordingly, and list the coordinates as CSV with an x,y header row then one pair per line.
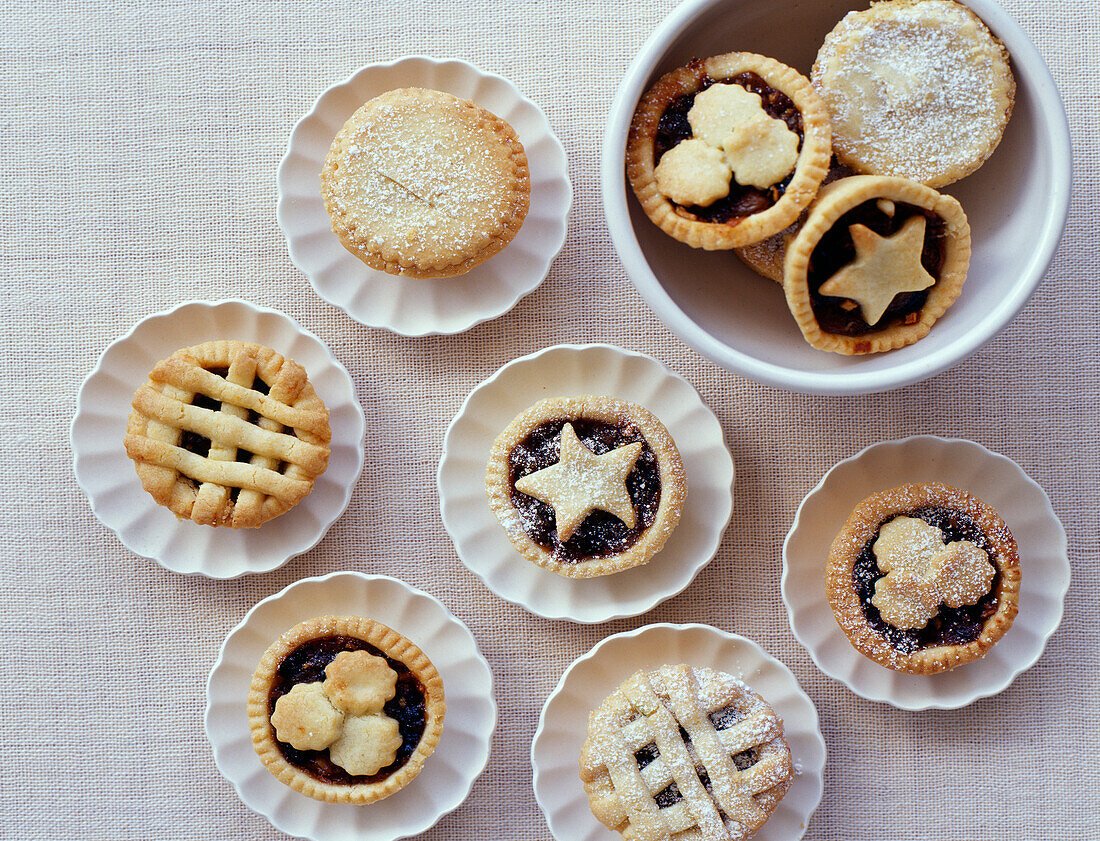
x,y
1055,126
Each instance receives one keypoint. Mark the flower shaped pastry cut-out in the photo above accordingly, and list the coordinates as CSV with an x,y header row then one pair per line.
x,y
582,482
922,572
344,714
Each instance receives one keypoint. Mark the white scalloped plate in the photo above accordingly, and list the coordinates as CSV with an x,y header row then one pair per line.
x,y
107,475
416,306
565,370
592,677
994,478
450,771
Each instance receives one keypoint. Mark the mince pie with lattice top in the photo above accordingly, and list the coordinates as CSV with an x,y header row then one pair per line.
x,y
345,709
228,433
682,753
586,486
923,578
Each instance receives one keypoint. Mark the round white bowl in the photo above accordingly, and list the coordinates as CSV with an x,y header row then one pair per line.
x,y
560,371
593,676
1016,203
449,772
421,306
990,476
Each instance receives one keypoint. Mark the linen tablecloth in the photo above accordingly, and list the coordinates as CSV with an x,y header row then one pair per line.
x,y
138,151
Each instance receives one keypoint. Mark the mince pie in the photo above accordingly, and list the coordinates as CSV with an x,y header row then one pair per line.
x,y
923,578
687,753
915,88
728,150
877,261
421,183
586,486
344,709
228,433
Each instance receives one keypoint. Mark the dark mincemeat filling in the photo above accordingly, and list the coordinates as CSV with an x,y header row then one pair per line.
x,y
743,200
601,534
951,625
836,250
306,664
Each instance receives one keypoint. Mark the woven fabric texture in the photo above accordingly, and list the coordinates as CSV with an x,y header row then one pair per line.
x,y
138,152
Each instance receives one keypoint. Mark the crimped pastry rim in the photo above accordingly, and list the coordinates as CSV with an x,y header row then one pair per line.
x,y
384,638
813,157
609,410
834,201
358,241
861,525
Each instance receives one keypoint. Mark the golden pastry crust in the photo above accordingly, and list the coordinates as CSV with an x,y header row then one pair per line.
x,y
862,527
644,426
424,184
811,167
919,89
636,751
268,408
831,204
393,645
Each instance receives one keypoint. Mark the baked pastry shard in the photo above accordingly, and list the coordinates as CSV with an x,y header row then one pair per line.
x,y
876,262
683,752
344,709
915,88
923,578
228,433
421,183
728,150
586,486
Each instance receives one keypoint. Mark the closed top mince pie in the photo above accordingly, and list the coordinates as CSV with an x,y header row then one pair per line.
x,y
344,709
876,262
915,88
587,485
228,433
924,578
684,753
728,150
424,184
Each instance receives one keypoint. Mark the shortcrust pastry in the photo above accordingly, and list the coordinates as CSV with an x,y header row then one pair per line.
x,y
877,261
344,709
421,183
728,150
923,578
228,433
586,486
683,752
915,88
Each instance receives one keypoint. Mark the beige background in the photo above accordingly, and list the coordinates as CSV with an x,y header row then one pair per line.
x,y
138,148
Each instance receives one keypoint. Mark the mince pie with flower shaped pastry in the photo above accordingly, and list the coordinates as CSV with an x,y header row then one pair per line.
x,y
345,710
684,752
586,486
923,578
728,150
228,433
876,262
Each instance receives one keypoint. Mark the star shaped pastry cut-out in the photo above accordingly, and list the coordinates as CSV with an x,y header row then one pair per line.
x,y
582,482
883,268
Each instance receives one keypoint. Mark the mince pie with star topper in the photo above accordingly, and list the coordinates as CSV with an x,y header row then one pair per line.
x,y
923,578
587,485
877,261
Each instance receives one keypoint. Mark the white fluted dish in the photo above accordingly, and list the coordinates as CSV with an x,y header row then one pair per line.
x,y
106,474
565,370
449,772
561,731
421,306
992,477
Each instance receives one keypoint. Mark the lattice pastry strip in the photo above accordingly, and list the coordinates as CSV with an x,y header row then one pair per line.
x,y
267,430
684,753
